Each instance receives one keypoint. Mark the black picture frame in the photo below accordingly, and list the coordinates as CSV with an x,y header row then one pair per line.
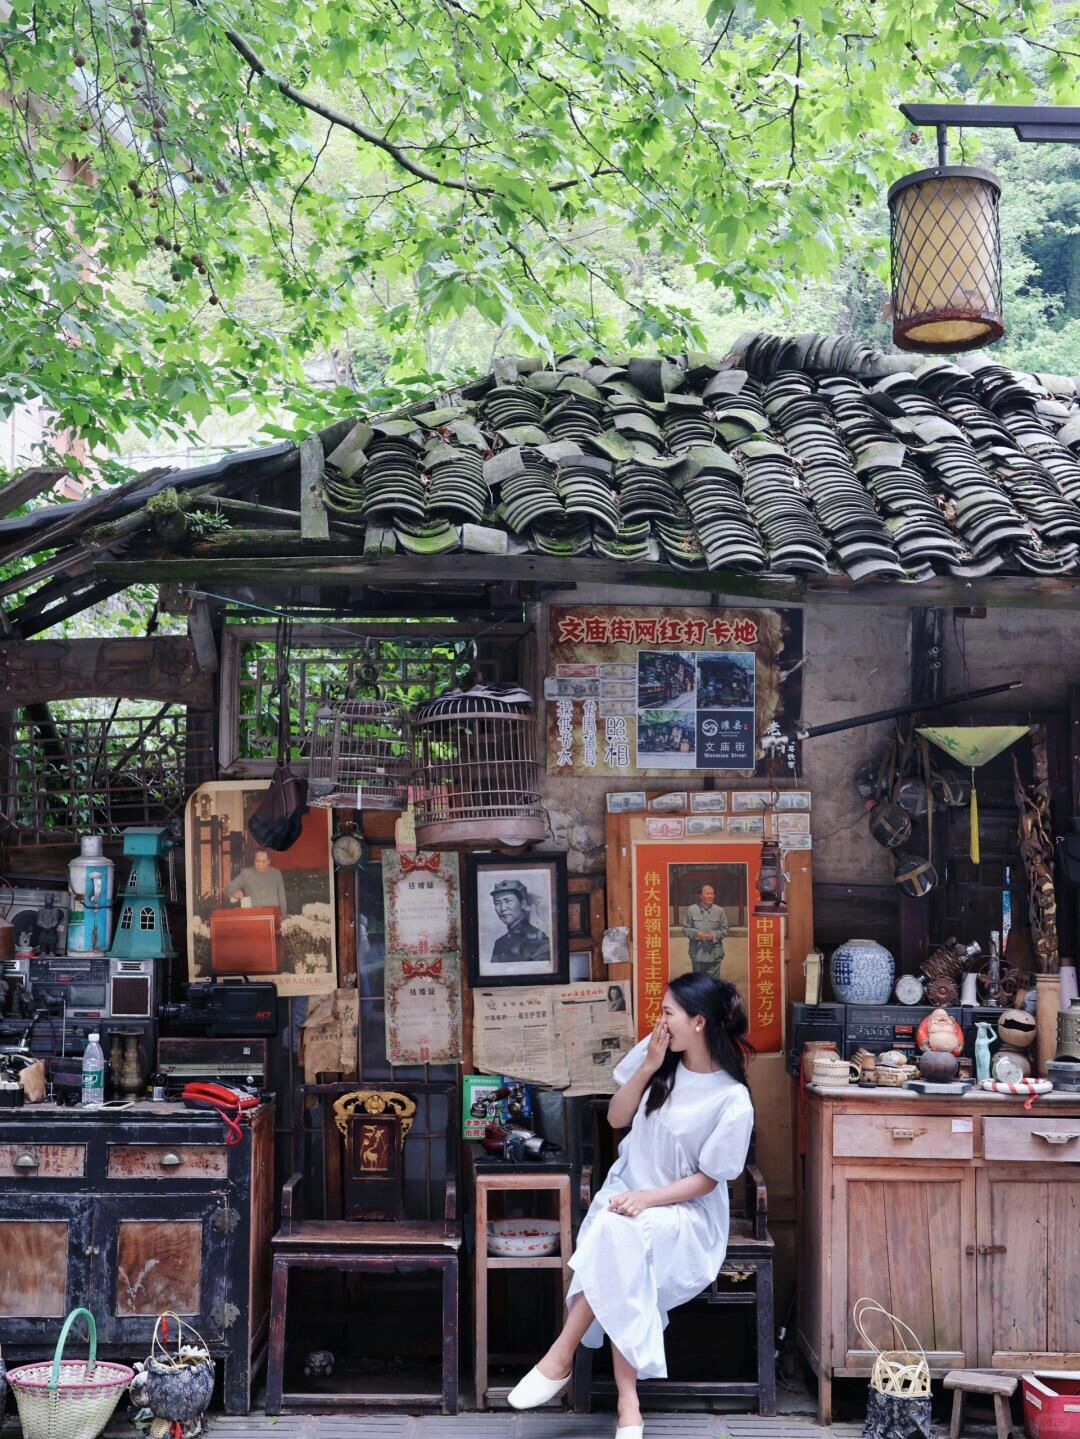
x,y
508,950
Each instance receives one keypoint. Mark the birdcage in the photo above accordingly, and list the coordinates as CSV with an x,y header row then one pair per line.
x,y
477,778
360,755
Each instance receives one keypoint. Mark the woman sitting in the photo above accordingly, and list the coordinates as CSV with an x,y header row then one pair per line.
x,y
656,1233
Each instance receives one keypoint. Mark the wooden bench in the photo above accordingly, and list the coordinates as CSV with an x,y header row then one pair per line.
x,y
1000,1387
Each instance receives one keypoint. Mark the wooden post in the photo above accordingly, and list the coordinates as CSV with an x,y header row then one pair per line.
x,y
314,521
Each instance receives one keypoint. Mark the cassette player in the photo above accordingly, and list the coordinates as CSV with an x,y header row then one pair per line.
x,y
84,987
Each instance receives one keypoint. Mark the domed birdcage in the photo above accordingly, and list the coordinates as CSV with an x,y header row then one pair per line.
x,y
360,753
477,777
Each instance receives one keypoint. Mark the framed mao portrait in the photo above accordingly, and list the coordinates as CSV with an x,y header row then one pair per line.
x,y
518,912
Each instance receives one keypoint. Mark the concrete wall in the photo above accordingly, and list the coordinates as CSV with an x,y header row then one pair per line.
x,y
1039,646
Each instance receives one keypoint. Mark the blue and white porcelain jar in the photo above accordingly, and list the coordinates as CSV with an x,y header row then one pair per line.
x,y
862,972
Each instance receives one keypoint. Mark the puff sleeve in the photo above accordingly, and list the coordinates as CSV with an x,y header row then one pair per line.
x,y
723,1155
630,1063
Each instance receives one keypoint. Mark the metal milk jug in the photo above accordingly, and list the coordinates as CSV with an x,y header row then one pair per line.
x,y
92,883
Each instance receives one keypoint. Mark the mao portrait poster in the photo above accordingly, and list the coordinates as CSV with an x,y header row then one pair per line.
x,y
265,913
694,912
634,689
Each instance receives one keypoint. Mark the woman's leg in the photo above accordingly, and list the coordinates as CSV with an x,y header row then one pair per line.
x,y
559,1359
626,1385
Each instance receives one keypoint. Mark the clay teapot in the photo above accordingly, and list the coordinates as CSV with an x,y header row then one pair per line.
x,y
938,1066
939,1031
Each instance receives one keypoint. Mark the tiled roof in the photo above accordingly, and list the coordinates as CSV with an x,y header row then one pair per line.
x,y
805,455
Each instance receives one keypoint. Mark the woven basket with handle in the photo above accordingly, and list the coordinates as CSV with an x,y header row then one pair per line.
x,y
902,1372
69,1398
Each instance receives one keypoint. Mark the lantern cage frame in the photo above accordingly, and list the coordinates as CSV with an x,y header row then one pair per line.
x,y
477,778
1033,124
360,755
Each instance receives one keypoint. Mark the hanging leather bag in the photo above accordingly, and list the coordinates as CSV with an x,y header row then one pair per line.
x,y
276,824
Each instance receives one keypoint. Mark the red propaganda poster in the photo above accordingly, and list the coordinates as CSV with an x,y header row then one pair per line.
x,y
694,910
639,690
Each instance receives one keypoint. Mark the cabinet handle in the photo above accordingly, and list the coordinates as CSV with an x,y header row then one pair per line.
x,y
170,1160
26,1161
907,1133
1054,1136
985,1249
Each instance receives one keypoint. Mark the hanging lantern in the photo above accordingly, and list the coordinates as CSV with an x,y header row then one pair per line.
x,y
946,260
477,780
770,882
360,755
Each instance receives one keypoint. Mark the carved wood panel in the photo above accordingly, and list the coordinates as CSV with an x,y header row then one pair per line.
x,y
33,1268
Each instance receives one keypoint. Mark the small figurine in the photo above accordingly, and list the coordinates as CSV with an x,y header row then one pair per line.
x,y
985,1037
319,1364
939,1031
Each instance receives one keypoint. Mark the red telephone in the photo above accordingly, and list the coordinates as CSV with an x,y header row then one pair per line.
x,y
229,1104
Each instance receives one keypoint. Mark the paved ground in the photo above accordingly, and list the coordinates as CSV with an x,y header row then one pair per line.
x,y
499,1425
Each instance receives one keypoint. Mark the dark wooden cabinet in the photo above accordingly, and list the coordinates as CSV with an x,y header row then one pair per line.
x,y
129,1213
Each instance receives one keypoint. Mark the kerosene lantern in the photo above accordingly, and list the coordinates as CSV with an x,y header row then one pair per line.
x,y
770,880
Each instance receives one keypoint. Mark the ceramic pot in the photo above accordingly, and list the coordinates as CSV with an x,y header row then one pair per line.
x,y
810,1050
862,972
831,1071
938,1066
178,1391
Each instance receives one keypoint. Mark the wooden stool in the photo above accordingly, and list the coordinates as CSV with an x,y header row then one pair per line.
x,y
492,1176
974,1381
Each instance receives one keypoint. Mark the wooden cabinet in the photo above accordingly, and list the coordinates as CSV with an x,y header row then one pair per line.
x,y
961,1216
129,1213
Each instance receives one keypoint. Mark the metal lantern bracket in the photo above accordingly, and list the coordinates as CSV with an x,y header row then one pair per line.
x,y
1034,124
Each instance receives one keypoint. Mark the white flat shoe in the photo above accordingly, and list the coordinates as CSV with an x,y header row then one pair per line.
x,y
536,1389
631,1431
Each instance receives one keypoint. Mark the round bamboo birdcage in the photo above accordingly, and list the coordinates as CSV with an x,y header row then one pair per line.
x,y
360,755
477,777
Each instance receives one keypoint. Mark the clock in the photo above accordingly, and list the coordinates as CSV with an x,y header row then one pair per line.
x,y
1007,1068
348,850
909,989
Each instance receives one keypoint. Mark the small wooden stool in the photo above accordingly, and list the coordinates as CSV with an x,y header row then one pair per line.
x,y
974,1381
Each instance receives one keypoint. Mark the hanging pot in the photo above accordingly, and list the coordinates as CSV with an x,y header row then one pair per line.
x,y
914,875
890,824
912,795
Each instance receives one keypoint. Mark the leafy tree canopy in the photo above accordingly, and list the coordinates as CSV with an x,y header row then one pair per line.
x,y
390,165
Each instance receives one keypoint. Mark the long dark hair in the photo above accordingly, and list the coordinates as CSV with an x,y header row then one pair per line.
x,y
726,1028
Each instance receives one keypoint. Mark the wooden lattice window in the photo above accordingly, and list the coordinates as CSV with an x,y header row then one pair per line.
x,y
65,772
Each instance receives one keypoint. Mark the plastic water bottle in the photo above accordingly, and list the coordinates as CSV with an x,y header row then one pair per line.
x,y
93,1074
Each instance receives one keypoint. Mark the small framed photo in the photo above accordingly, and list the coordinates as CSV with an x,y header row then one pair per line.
x,y
519,909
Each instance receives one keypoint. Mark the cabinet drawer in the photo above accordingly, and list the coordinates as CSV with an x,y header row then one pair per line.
x,y
1046,1139
172,1161
42,1161
907,1136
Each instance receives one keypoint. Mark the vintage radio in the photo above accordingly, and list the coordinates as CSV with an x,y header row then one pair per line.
x,y
246,941
83,987
215,1060
875,1027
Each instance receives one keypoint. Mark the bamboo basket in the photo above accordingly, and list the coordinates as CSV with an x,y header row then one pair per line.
x,y
68,1399
903,1372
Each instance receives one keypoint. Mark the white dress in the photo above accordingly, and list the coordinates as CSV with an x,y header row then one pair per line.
x,y
633,1271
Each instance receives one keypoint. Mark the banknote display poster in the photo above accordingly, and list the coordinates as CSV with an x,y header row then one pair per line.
x,y
639,690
